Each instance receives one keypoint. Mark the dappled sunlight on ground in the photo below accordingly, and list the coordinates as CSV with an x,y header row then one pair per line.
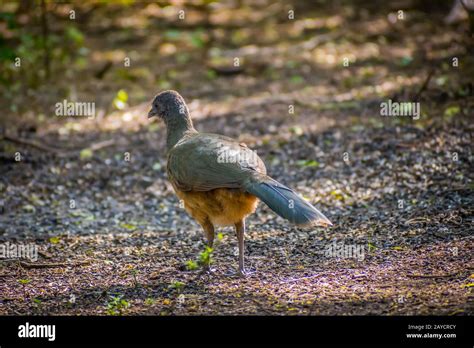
x,y
397,187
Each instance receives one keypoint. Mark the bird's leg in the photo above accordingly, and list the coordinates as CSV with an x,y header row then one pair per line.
x,y
240,230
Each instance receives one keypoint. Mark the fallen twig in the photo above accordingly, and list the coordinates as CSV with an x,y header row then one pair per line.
x,y
103,70
59,152
30,143
303,278
45,254
416,220
52,264
425,84
432,275
101,144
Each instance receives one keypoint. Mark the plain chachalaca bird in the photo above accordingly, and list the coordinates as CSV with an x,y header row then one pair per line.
x,y
219,179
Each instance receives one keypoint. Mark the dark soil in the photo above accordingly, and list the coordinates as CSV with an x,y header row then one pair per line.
x,y
399,188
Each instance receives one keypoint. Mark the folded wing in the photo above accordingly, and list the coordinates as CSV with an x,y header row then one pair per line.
x,y
208,161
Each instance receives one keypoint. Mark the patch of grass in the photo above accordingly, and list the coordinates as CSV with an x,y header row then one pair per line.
x,y
149,301
308,163
86,154
371,247
191,265
117,305
176,285
451,111
205,257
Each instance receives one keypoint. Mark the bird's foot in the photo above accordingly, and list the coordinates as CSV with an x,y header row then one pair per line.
x,y
244,273
241,272
208,270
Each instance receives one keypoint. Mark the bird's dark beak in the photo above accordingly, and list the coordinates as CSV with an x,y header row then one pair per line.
x,y
152,113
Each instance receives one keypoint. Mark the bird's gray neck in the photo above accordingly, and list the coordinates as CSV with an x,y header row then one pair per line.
x,y
177,128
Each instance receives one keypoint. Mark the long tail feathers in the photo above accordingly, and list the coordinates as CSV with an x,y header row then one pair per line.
x,y
286,203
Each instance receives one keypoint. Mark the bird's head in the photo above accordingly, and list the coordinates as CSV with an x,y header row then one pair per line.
x,y
168,105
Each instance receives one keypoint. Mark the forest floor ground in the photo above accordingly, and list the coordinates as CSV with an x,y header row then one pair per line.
x,y
113,238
